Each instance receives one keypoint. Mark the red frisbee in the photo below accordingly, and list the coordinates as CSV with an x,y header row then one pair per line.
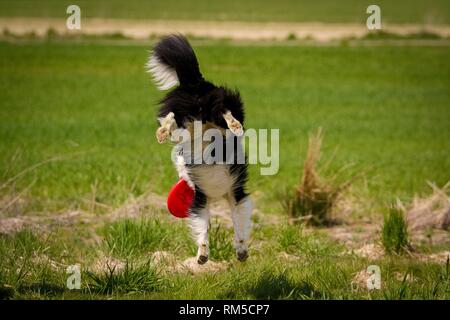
x,y
180,199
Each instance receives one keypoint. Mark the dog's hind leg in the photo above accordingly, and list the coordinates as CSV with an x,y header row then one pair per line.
x,y
199,223
241,215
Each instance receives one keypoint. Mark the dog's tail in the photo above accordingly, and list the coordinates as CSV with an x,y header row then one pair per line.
x,y
173,62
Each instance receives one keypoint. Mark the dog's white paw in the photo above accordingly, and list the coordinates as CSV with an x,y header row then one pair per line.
x,y
236,127
202,254
241,250
162,134
242,255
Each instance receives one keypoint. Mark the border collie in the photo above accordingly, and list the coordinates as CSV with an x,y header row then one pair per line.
x,y
173,63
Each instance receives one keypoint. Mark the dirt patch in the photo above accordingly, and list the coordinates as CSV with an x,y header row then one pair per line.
x,y
163,258
353,235
376,252
167,262
213,29
11,225
370,251
191,266
108,264
439,257
428,220
133,208
42,259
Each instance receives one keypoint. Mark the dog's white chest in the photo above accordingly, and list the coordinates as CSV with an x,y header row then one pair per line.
x,y
214,180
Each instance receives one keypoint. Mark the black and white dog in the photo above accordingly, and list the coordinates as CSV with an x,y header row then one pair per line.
x,y
173,63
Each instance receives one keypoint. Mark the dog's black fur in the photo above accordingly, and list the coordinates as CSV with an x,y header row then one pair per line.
x,y
196,99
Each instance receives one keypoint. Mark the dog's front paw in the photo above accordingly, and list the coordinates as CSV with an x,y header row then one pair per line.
x,y
242,255
162,134
203,254
236,127
241,251
202,259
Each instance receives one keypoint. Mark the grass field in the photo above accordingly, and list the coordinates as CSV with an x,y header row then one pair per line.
x,y
318,270
89,111
347,11
96,106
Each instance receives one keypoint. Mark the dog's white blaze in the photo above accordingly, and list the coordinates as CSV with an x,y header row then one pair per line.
x,y
164,76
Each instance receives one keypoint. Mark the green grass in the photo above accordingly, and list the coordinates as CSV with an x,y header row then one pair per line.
x,y
130,280
131,237
93,107
314,274
401,11
394,234
383,35
293,239
25,267
220,242
381,107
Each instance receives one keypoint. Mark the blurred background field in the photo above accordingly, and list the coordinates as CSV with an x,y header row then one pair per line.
x,y
346,11
383,107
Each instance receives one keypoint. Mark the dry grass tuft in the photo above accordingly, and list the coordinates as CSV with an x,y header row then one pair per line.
x,y
430,212
315,197
360,280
